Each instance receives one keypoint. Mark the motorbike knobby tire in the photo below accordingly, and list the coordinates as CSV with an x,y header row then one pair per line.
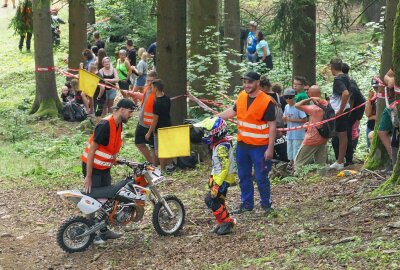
x,y
66,224
171,199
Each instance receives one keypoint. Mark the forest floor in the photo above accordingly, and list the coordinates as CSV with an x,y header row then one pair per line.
x,y
316,226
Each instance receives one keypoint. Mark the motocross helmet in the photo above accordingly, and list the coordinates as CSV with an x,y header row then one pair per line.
x,y
214,129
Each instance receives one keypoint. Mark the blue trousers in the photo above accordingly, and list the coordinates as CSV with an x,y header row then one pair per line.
x,y
246,158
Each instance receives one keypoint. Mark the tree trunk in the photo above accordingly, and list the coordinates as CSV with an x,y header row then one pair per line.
x,y
304,51
202,15
373,11
90,12
171,54
47,103
378,157
394,179
232,37
77,32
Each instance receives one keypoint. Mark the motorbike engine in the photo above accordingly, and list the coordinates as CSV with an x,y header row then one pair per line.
x,y
128,213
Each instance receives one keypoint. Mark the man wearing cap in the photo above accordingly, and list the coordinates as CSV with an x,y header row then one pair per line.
x,y
101,152
252,41
255,113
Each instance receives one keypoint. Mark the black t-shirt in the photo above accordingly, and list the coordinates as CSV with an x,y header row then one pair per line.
x,y
78,97
97,92
100,44
102,132
132,57
161,107
152,50
341,83
269,114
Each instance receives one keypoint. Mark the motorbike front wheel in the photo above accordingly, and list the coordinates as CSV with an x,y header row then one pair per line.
x,y
68,235
163,223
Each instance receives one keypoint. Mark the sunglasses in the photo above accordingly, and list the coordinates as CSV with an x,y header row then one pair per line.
x,y
288,97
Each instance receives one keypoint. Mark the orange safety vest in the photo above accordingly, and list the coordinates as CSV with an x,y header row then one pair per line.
x,y
252,129
105,156
148,103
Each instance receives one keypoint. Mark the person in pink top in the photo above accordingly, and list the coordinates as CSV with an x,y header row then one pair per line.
x,y
313,147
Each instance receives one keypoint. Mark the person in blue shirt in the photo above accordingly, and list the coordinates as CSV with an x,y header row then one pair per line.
x,y
294,118
252,41
263,54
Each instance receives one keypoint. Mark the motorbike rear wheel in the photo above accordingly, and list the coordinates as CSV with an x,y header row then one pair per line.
x,y
66,235
162,222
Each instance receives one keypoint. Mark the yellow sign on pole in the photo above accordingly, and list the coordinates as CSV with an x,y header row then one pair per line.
x,y
174,141
88,82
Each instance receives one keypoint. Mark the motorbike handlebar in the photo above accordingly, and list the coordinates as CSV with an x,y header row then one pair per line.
x,y
132,164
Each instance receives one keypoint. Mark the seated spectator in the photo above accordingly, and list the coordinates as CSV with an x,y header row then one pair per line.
x,y
370,110
313,147
79,96
294,118
66,95
141,70
299,82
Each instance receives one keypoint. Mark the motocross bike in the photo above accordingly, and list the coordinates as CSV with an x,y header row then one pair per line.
x,y
119,205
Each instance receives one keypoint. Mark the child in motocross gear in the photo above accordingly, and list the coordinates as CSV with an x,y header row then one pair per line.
x,y
222,173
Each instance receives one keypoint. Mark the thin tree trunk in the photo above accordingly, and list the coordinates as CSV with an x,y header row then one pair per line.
x,y
304,51
232,36
90,12
204,14
373,11
47,103
77,32
171,54
378,156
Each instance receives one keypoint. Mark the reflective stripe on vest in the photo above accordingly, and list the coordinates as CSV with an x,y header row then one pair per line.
x,y
148,103
252,128
99,162
101,154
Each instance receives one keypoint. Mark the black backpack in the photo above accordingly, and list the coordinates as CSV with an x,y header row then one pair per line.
x,y
188,162
327,130
356,98
73,112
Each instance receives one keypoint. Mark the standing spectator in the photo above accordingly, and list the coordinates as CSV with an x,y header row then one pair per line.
x,y
299,82
89,58
255,112
95,50
277,88
99,97
313,147
340,103
263,53
131,54
100,56
355,134
22,22
141,71
109,75
294,118
6,3
370,110
98,42
146,116
152,53
162,118
251,41
124,70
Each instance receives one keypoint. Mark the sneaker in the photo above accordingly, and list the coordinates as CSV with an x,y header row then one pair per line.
x,y
241,210
170,168
336,166
110,235
98,240
268,210
4,6
225,228
215,228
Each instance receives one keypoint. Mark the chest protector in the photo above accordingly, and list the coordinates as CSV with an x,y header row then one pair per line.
x,y
105,156
252,129
148,102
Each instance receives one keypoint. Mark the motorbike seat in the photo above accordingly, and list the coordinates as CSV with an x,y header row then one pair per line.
x,y
107,192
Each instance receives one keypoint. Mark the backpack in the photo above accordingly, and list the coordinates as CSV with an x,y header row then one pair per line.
x,y
327,130
73,112
188,162
278,112
356,98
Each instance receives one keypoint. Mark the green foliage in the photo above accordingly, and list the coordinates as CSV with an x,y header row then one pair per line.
x,y
22,21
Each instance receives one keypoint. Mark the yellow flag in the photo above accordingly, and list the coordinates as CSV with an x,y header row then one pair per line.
x,y
88,82
174,141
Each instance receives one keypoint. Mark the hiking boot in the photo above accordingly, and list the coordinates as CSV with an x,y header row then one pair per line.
x,y
215,228
241,210
98,240
225,228
336,166
110,235
269,210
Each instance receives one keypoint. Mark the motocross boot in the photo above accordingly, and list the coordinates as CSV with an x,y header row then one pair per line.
x,y
106,235
215,228
225,228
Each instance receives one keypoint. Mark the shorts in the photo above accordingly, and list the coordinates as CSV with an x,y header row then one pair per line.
x,y
293,147
141,80
111,94
98,106
386,121
100,178
140,134
341,123
133,78
123,84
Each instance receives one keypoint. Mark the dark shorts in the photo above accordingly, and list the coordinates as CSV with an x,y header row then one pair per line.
x,y
98,106
342,123
100,178
140,134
